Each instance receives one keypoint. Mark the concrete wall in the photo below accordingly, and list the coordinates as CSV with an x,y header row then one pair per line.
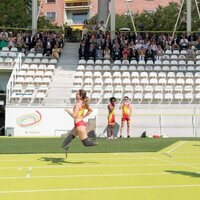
x,y
170,120
38,121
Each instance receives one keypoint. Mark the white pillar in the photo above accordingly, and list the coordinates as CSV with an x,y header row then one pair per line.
x,y
112,25
103,10
34,16
189,16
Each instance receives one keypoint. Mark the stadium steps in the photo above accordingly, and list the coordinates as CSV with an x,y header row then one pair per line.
x,y
69,57
60,88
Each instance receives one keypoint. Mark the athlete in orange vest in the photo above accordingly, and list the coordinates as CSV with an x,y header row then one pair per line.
x,y
79,114
126,115
111,118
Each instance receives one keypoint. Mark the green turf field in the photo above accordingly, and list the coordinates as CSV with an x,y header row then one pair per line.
x,y
168,174
10,145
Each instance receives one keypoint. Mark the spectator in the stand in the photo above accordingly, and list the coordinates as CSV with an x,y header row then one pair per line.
x,y
169,40
91,52
141,53
94,26
153,48
124,41
35,39
48,46
125,53
192,38
107,53
138,44
138,47
4,33
56,51
99,53
162,40
184,43
39,46
59,41
108,41
101,38
82,51
3,42
175,42
93,39
102,26
159,53
131,47
191,53
20,42
27,41
197,44
85,28
146,43
148,54
116,38
11,42
116,51
138,37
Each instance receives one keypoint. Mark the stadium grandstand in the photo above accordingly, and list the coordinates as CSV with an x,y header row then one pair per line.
x,y
159,72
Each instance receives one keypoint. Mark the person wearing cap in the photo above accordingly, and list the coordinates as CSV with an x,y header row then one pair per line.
x,y
126,115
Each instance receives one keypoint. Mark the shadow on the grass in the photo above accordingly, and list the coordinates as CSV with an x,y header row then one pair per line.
x,y
61,161
196,145
186,173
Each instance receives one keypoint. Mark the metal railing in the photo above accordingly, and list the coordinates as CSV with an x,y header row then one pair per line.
x,y
13,77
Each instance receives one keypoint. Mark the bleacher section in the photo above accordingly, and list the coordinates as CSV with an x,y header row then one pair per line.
x,y
159,92
30,79
174,79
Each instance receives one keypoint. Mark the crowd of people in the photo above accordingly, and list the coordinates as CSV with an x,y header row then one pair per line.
x,y
97,44
48,43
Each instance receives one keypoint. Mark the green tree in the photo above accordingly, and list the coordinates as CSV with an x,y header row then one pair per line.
x,y
163,19
15,13
18,14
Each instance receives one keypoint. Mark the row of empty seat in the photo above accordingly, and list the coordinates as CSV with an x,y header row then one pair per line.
x,y
148,97
166,81
138,68
135,74
31,83
36,67
149,62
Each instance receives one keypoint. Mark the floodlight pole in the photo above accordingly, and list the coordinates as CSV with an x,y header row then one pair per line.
x,y
197,8
189,16
131,16
107,20
34,16
112,21
103,10
179,14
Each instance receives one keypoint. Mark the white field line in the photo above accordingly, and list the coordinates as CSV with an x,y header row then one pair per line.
x,y
28,174
97,166
42,160
88,175
176,147
100,188
111,158
190,165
